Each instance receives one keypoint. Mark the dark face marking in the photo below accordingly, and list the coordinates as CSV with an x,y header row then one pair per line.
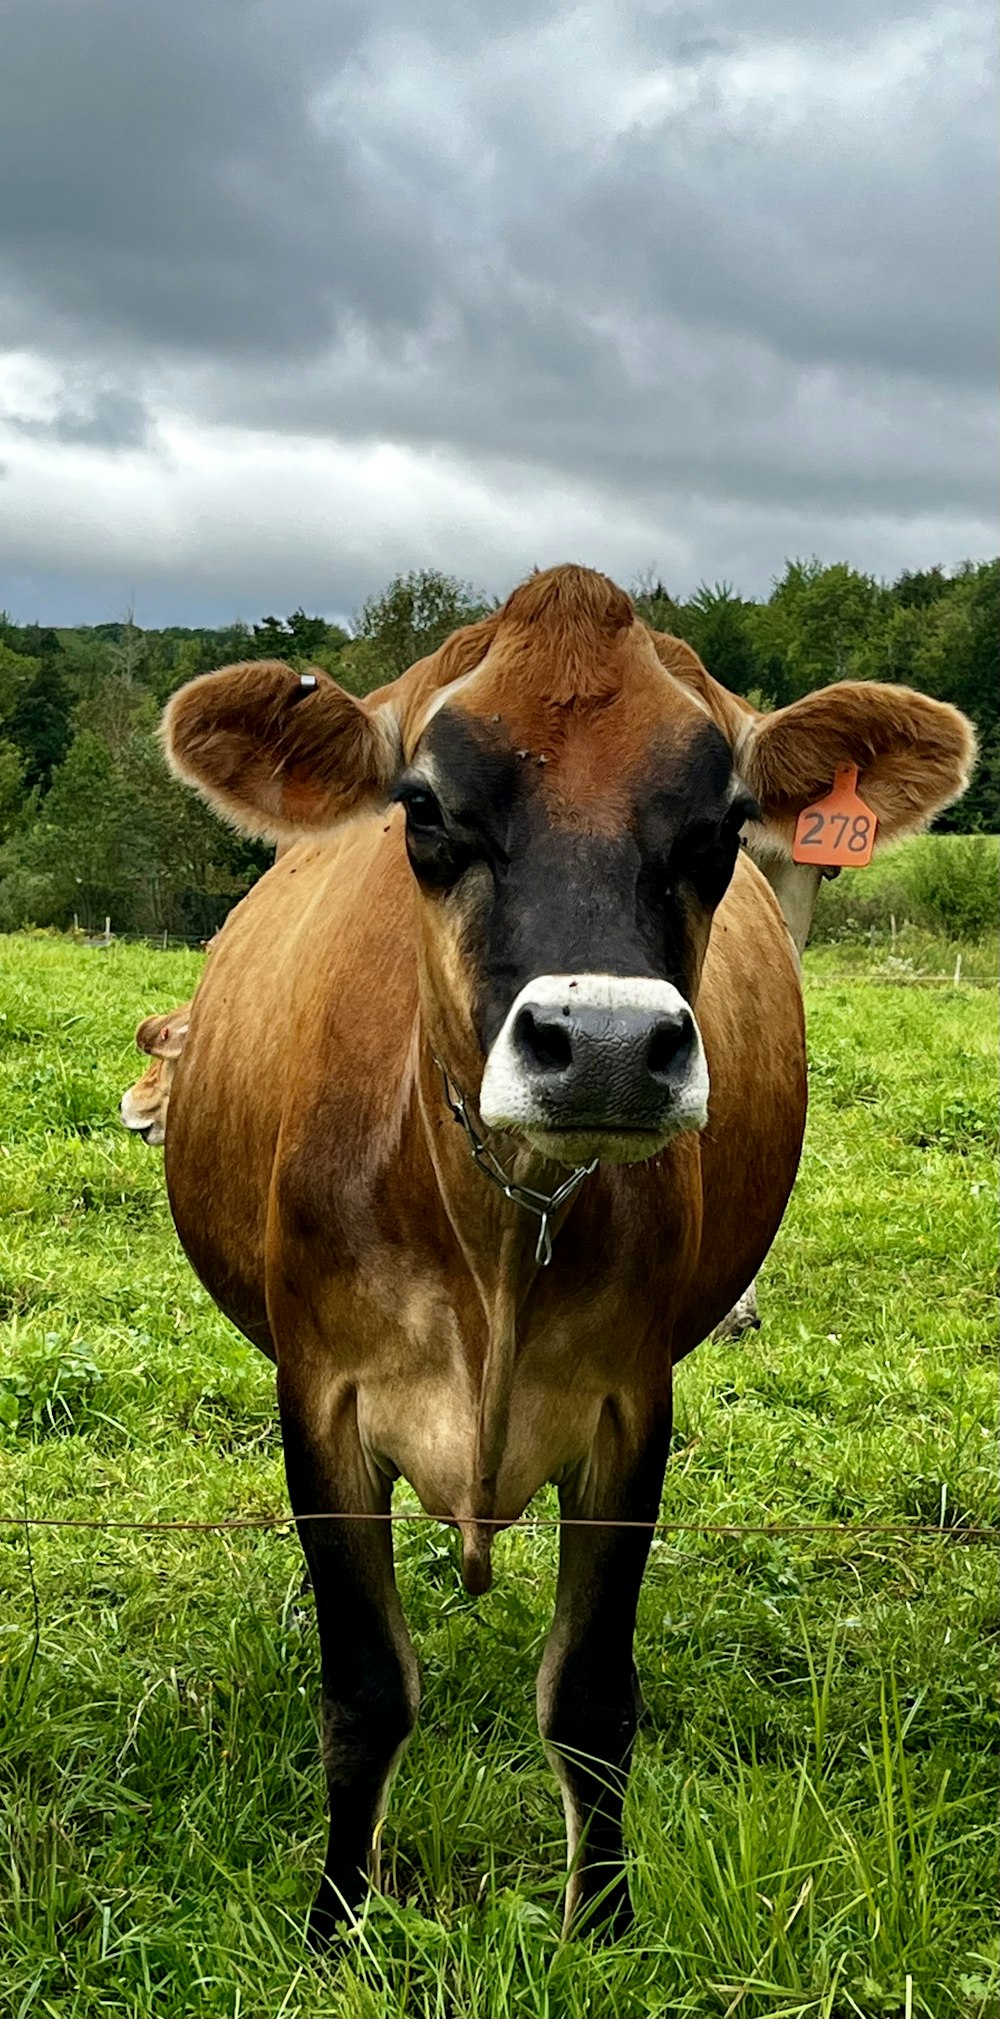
x,y
465,820
551,899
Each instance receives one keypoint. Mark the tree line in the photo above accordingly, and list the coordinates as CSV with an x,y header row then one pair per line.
x,y
91,824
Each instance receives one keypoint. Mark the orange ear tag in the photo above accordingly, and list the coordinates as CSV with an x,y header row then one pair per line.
x,y
839,831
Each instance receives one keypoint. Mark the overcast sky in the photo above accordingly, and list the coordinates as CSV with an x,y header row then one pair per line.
x,y
299,293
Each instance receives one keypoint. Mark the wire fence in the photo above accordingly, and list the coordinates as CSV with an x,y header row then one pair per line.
x,y
872,1532
956,1532
893,974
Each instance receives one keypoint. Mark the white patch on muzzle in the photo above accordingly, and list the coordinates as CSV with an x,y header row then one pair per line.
x,y
141,1122
516,1095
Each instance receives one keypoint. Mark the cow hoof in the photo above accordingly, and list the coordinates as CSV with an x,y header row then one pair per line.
x,y
744,1317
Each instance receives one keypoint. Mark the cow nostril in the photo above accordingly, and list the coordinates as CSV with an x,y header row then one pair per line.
x,y
670,1045
543,1044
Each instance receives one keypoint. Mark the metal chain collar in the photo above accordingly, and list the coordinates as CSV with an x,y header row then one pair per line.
x,y
543,1204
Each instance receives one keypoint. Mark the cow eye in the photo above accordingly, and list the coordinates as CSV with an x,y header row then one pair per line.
x,y
437,855
704,854
423,813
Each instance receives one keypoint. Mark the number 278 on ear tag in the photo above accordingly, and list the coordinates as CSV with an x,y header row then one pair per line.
x,y
837,832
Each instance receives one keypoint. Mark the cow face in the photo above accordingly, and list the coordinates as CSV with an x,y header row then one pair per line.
x,y
569,850
572,791
144,1106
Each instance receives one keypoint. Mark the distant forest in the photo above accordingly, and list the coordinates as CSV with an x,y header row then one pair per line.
x,y
91,825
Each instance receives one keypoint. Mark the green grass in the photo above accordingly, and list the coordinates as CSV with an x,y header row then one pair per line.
x,y
813,1802
944,885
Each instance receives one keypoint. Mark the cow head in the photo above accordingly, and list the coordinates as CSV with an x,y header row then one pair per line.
x,y
572,805
144,1106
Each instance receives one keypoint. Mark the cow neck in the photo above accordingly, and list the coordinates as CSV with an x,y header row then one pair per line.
x,y
504,1228
494,1244
543,1205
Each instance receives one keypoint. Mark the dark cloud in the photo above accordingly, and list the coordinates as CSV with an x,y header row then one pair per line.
x,y
165,182
715,272
109,419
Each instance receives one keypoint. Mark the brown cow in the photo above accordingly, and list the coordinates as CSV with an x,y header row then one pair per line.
x,y
796,886
519,900
144,1106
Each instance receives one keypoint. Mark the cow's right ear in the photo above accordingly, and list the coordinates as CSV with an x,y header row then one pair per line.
x,y
280,754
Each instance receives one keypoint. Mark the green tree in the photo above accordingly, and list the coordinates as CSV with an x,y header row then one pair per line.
x,y
890,648
75,840
956,660
411,618
717,623
16,670
11,787
298,639
39,721
654,603
118,702
117,710
915,591
813,623
310,635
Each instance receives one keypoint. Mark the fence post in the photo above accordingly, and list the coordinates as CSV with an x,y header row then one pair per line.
x,y
107,932
164,939
958,970
892,928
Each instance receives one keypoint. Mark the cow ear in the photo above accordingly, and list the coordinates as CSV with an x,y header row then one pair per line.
x,y
914,755
163,1037
277,753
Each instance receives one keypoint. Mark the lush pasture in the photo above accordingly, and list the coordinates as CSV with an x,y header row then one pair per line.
x,y
813,1801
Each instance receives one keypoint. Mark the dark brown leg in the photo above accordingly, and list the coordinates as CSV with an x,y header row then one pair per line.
x,y
370,1687
587,1685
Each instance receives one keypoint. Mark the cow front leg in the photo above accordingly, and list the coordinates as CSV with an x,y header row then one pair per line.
x,y
588,1698
370,1686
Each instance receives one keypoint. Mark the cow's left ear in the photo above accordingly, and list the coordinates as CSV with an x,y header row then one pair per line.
x,y
914,755
278,753
163,1037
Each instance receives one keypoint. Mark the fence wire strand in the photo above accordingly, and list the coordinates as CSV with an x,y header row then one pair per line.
x,y
175,942
894,1531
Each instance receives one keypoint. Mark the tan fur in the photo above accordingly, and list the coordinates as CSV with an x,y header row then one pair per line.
x,y
334,914
373,1177
346,1081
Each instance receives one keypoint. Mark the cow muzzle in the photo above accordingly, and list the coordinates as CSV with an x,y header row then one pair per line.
x,y
141,1123
597,1065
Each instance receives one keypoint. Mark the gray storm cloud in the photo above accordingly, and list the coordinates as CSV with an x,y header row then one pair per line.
x,y
293,296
